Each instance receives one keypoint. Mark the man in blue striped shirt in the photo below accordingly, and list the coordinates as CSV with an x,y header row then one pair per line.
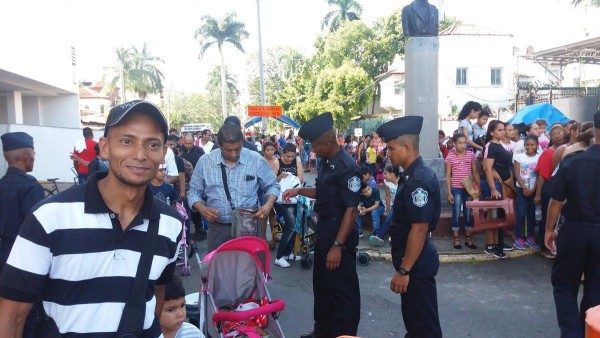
x,y
246,171
79,250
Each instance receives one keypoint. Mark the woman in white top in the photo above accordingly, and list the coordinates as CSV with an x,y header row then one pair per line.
x,y
507,141
469,112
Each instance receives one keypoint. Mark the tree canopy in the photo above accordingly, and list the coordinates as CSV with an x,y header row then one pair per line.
x,y
347,10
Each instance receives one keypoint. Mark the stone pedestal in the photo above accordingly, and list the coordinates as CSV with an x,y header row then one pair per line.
x,y
421,83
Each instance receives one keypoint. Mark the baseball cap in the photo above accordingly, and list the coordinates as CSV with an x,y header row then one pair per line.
x,y
233,120
118,113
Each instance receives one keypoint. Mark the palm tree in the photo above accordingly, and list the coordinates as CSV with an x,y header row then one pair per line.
x,y
136,72
218,32
595,3
214,81
348,10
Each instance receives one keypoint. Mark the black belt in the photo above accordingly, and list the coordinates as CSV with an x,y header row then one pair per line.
x,y
224,224
570,221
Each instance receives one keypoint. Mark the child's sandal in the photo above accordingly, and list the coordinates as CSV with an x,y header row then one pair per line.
x,y
457,245
469,243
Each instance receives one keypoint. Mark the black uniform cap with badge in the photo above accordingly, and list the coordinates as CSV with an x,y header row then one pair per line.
x,y
407,125
118,113
316,127
16,140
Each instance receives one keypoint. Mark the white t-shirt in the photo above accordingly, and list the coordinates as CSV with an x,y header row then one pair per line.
x,y
187,330
258,146
393,188
509,147
527,169
543,141
207,147
170,162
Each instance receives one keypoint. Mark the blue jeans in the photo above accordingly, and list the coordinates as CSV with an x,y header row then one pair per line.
x,y
375,215
386,224
486,192
82,178
461,196
286,244
525,211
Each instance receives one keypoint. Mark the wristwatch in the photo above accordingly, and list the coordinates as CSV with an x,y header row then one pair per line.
x,y
404,272
338,244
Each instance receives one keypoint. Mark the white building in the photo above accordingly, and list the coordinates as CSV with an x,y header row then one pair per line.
x,y
475,64
38,87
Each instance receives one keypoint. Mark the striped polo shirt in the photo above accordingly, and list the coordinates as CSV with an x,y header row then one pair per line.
x,y
72,251
461,167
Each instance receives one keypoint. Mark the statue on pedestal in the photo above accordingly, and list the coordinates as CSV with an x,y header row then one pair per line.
x,y
420,19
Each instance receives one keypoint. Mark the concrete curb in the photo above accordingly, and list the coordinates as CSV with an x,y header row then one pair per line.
x,y
451,258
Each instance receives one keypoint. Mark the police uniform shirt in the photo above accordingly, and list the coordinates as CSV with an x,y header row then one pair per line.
x,y
19,192
338,186
417,201
574,184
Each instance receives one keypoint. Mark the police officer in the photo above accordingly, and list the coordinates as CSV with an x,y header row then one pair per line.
x,y
417,208
19,192
335,283
577,244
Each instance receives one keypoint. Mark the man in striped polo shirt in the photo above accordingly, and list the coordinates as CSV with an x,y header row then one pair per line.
x,y
79,250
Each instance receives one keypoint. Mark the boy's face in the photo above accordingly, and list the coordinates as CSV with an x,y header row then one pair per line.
x,y
366,177
161,174
173,315
366,191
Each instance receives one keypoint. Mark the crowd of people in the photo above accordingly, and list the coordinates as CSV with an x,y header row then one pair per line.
x,y
210,181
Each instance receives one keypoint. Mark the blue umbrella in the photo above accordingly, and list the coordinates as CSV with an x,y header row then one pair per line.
x,y
252,121
544,111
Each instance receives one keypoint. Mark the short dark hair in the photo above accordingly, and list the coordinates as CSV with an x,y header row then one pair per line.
x,y
97,149
173,138
229,133
456,136
366,170
393,169
484,112
205,131
363,185
174,289
172,130
88,132
531,137
289,147
268,144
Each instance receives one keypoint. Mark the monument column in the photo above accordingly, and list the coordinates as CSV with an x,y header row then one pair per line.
x,y
421,83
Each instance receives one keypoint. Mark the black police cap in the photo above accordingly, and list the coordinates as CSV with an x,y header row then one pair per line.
x,y
316,127
401,126
118,113
16,140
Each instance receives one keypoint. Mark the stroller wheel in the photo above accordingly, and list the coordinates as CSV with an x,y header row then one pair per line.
x,y
187,271
306,263
363,259
272,245
304,249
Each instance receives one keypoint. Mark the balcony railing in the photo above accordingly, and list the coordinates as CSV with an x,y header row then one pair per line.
x,y
526,97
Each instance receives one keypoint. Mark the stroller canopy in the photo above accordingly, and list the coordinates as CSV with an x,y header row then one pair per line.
x,y
254,246
544,111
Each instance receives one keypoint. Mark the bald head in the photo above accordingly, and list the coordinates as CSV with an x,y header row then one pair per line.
x,y
188,141
21,158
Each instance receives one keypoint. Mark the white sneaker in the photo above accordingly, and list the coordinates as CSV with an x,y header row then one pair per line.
x,y
291,257
282,262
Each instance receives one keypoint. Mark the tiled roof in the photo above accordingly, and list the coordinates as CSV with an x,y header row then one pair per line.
x,y
89,93
466,29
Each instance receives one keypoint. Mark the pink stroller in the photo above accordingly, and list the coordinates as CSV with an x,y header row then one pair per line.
x,y
234,275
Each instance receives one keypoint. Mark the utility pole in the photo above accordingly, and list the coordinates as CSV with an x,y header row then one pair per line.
x,y
261,67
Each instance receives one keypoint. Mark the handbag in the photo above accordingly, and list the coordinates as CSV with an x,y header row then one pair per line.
x,y
134,313
471,186
243,221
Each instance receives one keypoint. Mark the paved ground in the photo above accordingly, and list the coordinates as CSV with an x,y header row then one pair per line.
x,y
510,298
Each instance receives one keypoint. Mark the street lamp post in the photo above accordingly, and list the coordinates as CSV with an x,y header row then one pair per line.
x,y
261,67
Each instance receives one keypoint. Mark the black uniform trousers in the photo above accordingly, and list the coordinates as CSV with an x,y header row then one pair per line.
x,y
336,292
419,303
577,252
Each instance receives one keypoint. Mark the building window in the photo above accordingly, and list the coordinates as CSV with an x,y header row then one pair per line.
x,y
496,79
461,76
398,87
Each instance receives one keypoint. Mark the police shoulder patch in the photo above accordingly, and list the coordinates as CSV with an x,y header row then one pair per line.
x,y
354,184
419,197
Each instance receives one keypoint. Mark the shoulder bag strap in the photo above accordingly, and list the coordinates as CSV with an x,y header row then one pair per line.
x,y
134,313
224,175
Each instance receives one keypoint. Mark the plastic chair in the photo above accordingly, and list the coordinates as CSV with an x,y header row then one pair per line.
x,y
482,224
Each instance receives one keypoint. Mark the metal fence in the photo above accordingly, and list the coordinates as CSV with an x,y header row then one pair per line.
x,y
526,97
